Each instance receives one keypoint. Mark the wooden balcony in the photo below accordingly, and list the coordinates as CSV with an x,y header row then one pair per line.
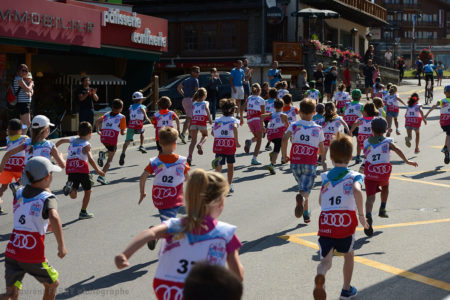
x,y
368,7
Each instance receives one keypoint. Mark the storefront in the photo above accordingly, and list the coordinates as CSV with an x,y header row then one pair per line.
x,y
61,41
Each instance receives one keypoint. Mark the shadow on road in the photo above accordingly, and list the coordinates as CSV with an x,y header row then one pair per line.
x,y
267,241
94,287
250,178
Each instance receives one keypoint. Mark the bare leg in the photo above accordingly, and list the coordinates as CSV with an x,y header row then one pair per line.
x,y
389,121
193,134
125,146
25,119
12,293
219,168
306,196
369,203
203,138
396,123
447,142
3,188
230,172
186,125
417,139
348,269
325,263
50,290
142,139
73,193
384,194
86,198
258,139
108,162
358,148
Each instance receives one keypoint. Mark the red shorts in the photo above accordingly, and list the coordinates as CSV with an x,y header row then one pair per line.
x,y
373,186
255,126
6,177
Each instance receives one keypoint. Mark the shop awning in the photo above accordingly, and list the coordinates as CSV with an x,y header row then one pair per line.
x,y
96,79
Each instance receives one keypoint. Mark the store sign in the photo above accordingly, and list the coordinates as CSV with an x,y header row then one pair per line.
x,y
274,15
49,22
113,16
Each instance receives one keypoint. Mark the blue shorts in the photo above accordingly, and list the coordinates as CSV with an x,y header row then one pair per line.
x,y
168,213
344,245
305,176
392,114
246,89
230,159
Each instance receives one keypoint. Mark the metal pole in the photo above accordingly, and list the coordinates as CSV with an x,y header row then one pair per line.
x,y
296,20
263,31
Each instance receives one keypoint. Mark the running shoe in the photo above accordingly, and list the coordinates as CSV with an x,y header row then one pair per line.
x,y
407,142
215,162
2,211
142,149
14,186
248,143
189,137
319,160
85,215
444,149
397,131
102,180
182,138
271,169
283,161
369,232
101,157
152,244
306,217
299,207
189,161
348,294
122,159
358,159
319,289
255,162
231,188
199,150
416,151
67,188
268,148
447,157
382,213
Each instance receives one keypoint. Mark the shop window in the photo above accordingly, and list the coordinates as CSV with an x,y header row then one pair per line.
x,y
229,36
191,37
209,36
346,39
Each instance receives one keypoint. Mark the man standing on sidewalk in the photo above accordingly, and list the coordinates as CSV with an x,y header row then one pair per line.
x,y
388,58
86,98
237,84
187,89
419,69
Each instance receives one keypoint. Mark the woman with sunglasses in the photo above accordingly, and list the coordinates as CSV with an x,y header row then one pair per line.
x,y
23,90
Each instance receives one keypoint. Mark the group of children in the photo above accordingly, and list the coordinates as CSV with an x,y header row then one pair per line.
x,y
199,236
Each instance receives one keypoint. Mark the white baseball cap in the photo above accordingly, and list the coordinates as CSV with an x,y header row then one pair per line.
x,y
40,121
137,96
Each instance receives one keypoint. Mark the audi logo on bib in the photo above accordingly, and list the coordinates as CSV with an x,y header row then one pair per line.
x,y
161,192
225,143
336,219
445,117
24,241
169,292
350,118
15,161
380,169
75,164
197,118
108,133
303,150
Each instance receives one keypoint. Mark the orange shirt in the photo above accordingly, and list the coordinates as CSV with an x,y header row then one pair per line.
x,y
287,108
168,159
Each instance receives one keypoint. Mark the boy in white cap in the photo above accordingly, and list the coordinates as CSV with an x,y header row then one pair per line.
x,y
137,112
35,206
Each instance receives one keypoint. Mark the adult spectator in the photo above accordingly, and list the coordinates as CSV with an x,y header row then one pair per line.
x,y
187,89
302,80
237,84
274,74
346,78
388,58
401,67
370,54
247,78
86,98
212,88
330,78
368,77
24,92
419,70
319,77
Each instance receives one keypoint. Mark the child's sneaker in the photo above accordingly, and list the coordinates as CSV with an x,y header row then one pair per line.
x,y
85,215
444,149
199,149
397,131
67,188
215,162
102,180
182,138
299,207
447,157
382,213
2,211
348,294
407,142
231,188
101,157
358,159
271,169
122,159
270,156
319,289
306,217
268,148
142,149
255,162
369,232
417,151
247,145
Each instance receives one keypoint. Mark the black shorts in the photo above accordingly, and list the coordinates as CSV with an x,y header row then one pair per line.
x,y
429,77
368,83
344,245
15,272
230,159
446,129
277,145
23,107
80,178
110,148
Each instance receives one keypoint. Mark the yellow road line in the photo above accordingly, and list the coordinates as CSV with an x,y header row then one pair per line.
x,y
435,147
437,171
380,266
420,181
382,226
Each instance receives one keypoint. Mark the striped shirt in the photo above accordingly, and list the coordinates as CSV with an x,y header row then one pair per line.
x,y
22,96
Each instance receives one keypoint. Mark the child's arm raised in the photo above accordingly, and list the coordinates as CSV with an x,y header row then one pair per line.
x,y
431,109
401,101
91,160
402,155
359,204
144,177
58,157
236,138
234,264
155,232
62,141
55,221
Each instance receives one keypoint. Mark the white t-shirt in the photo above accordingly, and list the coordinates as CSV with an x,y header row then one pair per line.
x,y
388,56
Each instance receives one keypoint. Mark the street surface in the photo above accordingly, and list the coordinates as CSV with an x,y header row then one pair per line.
x,y
407,257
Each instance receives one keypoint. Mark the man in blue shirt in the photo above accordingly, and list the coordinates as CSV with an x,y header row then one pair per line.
x,y
428,70
187,89
274,74
237,86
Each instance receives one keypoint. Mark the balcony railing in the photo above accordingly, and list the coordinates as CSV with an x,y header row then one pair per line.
x,y
368,7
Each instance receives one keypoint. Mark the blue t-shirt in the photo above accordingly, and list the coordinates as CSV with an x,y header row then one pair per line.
x,y
274,73
190,84
237,75
429,68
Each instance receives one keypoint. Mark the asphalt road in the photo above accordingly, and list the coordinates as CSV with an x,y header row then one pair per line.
x,y
407,258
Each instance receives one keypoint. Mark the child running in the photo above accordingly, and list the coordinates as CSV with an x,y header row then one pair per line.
x,y
275,130
194,238
13,167
313,93
340,197
444,104
200,116
225,133
290,110
282,90
364,124
307,140
379,105
255,108
353,112
414,117
171,170
392,109
78,159
113,123
333,125
33,213
318,118
273,94
378,88
137,112
377,168
164,118
341,98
